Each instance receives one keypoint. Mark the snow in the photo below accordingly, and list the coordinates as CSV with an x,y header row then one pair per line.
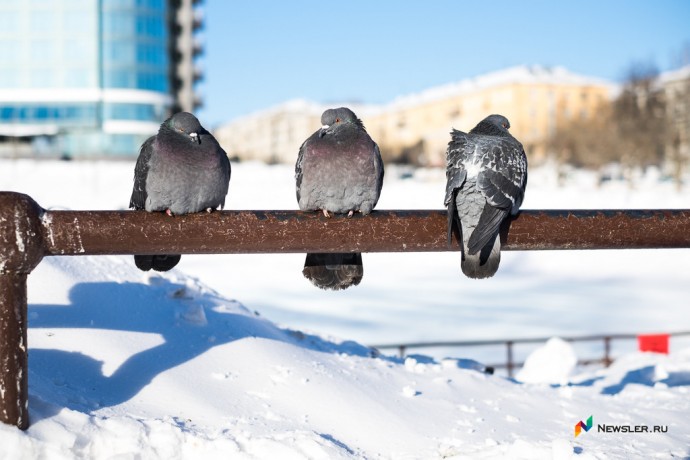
x,y
554,362
240,357
682,73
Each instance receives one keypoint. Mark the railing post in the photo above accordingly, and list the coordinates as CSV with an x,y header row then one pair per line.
x,y
509,363
21,249
607,351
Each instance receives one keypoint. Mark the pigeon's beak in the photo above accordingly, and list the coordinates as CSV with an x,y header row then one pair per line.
x,y
322,132
195,138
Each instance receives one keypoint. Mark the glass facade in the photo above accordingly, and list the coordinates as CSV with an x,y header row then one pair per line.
x,y
135,40
64,113
83,77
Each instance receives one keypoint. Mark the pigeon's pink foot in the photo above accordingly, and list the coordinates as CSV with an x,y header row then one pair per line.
x,y
349,214
325,213
169,212
209,210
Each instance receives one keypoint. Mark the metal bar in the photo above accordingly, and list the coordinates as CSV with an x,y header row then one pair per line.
x,y
14,382
27,233
252,232
473,343
607,351
518,364
21,250
510,365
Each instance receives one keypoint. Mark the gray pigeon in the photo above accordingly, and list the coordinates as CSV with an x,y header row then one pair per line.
x,y
486,179
180,170
339,171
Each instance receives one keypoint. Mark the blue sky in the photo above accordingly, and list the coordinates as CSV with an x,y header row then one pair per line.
x,y
260,53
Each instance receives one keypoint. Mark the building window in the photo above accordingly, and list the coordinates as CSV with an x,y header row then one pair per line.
x,y
139,112
61,114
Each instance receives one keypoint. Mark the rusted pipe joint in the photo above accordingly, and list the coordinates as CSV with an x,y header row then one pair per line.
x,y
21,233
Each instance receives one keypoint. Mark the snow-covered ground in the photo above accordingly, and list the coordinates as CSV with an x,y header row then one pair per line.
x,y
237,357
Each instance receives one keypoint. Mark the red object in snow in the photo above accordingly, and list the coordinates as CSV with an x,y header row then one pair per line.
x,y
657,343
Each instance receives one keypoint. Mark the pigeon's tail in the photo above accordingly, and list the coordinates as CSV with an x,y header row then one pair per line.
x,y
482,264
334,271
160,263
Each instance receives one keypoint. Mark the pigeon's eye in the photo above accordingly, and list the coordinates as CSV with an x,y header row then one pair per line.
x,y
337,120
504,125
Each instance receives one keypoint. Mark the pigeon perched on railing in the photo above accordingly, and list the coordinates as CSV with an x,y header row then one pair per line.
x,y
181,170
486,178
339,171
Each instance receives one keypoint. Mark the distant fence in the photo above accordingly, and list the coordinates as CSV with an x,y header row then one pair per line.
x,y
510,364
28,233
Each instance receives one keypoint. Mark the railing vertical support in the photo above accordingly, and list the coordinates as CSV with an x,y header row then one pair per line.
x,y
509,358
13,351
607,351
21,249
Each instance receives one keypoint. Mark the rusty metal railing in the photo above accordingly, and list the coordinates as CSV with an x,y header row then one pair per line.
x,y
28,233
510,364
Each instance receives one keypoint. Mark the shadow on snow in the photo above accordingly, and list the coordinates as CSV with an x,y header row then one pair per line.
x,y
189,321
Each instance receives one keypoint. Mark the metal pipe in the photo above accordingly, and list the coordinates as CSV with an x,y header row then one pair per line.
x,y
14,383
477,343
509,358
607,351
253,232
21,250
28,233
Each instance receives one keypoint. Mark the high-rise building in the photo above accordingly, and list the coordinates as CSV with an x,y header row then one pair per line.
x,y
93,78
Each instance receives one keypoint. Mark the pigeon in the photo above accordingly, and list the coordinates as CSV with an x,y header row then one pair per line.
x,y
338,171
180,170
486,178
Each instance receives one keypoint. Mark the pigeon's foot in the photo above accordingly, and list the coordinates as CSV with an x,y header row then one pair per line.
x,y
326,213
169,212
209,210
349,214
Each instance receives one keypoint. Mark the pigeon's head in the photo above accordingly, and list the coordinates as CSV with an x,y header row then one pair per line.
x,y
333,120
186,124
494,125
499,121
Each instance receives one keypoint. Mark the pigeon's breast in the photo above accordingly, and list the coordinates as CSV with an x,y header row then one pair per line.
x,y
185,180
339,178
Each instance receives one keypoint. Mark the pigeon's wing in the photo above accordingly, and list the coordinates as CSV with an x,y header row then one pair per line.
x,y
141,171
298,168
225,164
378,168
460,148
503,176
502,180
456,174
521,172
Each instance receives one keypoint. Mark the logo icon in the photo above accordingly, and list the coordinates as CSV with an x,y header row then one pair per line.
x,y
579,426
